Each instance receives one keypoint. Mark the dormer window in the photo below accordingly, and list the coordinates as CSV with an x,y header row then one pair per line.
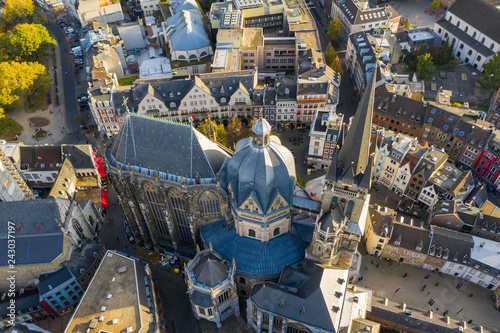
x,y
172,104
171,94
446,254
223,100
433,250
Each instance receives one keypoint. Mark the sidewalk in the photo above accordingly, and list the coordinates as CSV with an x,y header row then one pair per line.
x,y
387,280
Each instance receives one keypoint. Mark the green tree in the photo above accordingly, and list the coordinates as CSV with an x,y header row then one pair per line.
x,y
445,54
334,29
332,59
17,11
20,81
234,131
220,131
425,66
221,134
435,4
27,42
490,78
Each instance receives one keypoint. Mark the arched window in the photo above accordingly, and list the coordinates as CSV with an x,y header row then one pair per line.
x,y
453,41
276,232
243,280
466,29
461,46
203,54
492,45
458,24
470,52
482,40
439,30
445,35
474,34
172,104
78,228
478,58
181,57
251,233
193,56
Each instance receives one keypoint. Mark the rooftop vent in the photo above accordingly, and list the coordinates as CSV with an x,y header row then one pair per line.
x,y
103,308
114,321
122,269
110,295
101,318
129,329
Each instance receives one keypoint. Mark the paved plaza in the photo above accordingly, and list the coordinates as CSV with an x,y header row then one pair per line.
x,y
414,10
387,281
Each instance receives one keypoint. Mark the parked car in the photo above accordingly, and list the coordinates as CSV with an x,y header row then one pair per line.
x,y
84,105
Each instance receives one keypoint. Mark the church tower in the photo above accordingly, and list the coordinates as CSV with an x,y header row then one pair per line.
x,y
345,201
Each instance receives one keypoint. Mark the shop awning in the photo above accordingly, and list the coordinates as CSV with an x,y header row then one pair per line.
x,y
104,199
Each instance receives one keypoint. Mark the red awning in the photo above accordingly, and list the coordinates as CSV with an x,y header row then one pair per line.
x,y
104,199
100,166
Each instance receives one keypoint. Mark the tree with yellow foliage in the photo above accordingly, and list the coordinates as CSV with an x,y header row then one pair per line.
x,y
26,42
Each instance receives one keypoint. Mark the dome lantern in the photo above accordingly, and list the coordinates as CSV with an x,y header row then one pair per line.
x,y
262,131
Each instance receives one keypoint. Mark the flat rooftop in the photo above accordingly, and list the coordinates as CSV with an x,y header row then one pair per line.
x,y
114,295
252,37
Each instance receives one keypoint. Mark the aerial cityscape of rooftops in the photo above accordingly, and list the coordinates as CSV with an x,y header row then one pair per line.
x,y
286,166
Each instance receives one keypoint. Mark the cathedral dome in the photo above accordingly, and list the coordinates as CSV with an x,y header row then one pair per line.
x,y
261,168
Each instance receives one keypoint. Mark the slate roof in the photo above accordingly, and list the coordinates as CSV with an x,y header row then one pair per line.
x,y
84,257
480,15
189,33
40,158
33,246
477,196
80,156
306,293
382,221
255,258
201,299
262,172
353,160
401,108
49,281
218,85
312,88
168,147
450,245
365,56
30,299
410,236
466,38
210,271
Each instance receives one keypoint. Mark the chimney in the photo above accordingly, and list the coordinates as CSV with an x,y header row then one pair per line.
x,y
150,30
